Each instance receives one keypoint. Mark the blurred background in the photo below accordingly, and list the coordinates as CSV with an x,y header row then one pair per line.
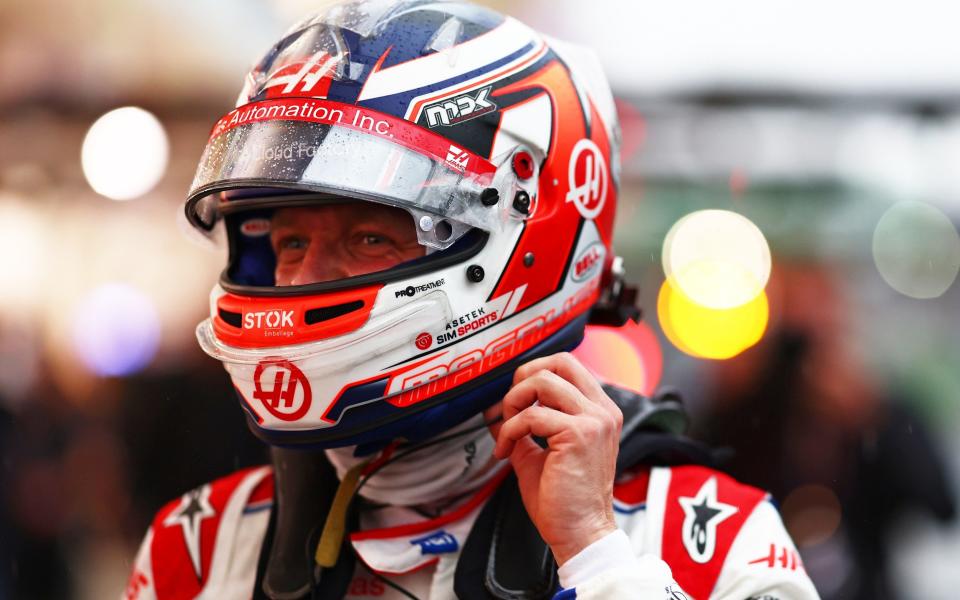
x,y
789,206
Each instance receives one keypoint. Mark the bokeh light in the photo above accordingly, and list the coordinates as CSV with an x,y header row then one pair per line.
x,y
718,258
812,514
23,253
125,153
706,332
916,249
116,330
627,356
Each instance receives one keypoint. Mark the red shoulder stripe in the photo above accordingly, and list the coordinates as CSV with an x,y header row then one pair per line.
x,y
705,510
184,535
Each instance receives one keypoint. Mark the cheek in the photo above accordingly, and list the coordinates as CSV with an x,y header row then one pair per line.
x,y
365,260
284,274
412,252
373,265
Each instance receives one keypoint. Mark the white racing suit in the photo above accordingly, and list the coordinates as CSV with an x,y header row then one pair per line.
x,y
684,532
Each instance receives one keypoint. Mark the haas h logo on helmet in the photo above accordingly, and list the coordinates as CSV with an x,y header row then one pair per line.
x,y
289,396
588,179
309,72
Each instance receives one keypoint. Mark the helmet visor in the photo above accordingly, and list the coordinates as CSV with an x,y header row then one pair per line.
x,y
343,150
298,240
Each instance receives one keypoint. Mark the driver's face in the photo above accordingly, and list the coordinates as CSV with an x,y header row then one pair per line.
x,y
336,241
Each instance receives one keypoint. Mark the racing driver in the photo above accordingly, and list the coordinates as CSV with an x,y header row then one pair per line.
x,y
418,201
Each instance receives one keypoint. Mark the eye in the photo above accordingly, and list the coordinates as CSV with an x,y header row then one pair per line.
x,y
373,239
290,246
371,243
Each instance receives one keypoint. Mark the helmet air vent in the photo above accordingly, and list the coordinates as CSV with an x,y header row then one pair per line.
x,y
325,313
231,318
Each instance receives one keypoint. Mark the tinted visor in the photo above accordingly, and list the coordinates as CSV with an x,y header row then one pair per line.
x,y
317,242
343,150
310,243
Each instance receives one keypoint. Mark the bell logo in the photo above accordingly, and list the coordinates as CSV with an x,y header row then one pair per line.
x,y
289,396
587,175
587,262
268,319
257,227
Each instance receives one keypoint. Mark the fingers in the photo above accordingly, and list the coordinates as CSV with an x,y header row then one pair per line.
x,y
567,367
551,395
583,433
533,420
493,415
549,390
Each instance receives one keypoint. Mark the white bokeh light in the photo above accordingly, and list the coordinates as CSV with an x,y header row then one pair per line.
x,y
125,153
718,258
916,249
23,253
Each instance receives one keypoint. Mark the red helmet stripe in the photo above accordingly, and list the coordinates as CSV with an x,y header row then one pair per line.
x,y
372,122
552,242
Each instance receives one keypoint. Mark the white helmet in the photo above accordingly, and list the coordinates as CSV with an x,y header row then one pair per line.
x,y
503,149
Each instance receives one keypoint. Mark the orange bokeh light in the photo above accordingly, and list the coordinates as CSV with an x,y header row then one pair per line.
x,y
627,356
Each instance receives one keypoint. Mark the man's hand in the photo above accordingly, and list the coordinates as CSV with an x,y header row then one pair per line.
x,y
567,488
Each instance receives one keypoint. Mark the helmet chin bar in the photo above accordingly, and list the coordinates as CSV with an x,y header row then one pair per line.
x,y
425,419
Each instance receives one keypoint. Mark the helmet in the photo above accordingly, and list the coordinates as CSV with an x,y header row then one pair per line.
x,y
503,149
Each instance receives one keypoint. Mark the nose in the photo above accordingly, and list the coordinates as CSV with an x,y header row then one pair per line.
x,y
320,263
